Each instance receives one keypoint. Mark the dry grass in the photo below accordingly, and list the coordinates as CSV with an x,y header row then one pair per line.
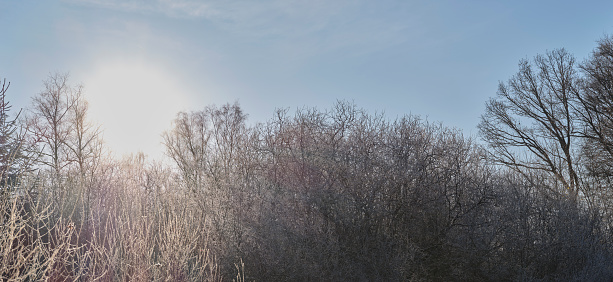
x,y
117,231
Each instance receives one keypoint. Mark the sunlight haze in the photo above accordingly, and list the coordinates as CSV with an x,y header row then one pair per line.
x,y
134,102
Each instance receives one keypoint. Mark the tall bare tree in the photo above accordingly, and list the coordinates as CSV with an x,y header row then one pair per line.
x,y
210,148
532,125
49,121
187,143
596,108
85,142
58,121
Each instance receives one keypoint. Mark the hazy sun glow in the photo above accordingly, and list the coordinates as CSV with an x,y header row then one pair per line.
x,y
134,102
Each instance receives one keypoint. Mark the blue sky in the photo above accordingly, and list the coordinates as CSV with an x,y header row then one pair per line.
x,y
142,61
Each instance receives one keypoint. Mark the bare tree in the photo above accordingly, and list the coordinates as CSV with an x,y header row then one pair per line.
x,y
596,108
58,122
211,149
206,144
49,121
85,142
531,124
187,143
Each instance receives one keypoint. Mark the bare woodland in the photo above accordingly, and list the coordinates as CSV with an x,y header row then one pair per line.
x,y
320,195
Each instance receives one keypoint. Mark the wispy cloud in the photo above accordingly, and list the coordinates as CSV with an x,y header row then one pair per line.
x,y
238,15
124,5
305,26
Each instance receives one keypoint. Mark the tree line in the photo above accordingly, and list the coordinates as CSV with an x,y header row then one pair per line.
x,y
334,194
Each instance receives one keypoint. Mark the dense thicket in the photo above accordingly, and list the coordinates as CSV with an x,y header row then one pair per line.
x,y
344,195
336,194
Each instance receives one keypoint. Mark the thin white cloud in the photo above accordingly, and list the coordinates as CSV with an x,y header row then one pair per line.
x,y
124,5
304,27
175,8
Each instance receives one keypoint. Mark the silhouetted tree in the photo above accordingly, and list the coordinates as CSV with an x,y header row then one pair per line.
x,y
531,124
596,108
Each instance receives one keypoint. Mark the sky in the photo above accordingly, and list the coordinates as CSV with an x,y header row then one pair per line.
x,y
142,61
